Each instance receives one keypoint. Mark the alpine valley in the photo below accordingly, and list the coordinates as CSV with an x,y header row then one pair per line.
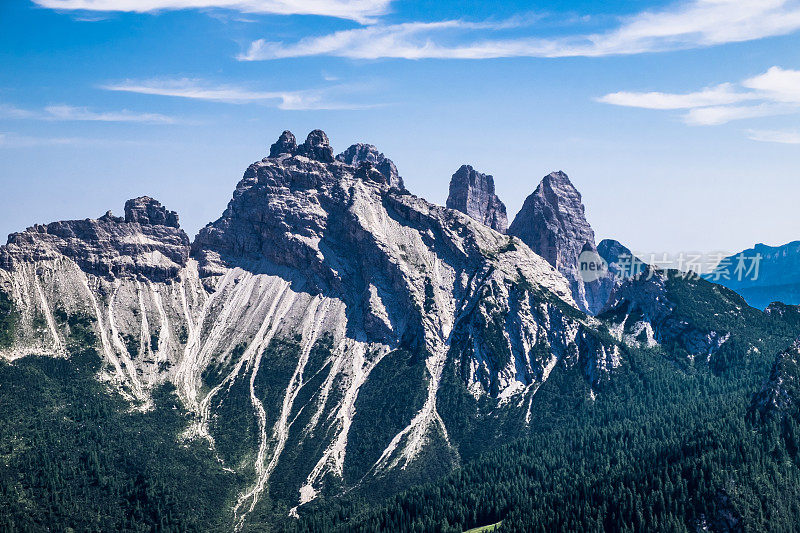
x,y
335,353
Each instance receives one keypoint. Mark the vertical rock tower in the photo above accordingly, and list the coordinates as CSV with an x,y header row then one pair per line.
x,y
553,223
472,192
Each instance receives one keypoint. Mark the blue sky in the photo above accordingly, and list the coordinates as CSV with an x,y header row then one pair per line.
x,y
678,121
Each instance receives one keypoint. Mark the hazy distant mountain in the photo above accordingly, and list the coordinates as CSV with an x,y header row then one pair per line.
x,y
763,274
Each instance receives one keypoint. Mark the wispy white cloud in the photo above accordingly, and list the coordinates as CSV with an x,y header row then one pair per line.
x,y
775,92
72,113
716,115
363,11
10,111
65,112
199,90
722,94
775,136
688,24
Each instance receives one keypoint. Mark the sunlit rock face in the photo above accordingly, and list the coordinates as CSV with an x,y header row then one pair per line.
x,y
366,153
553,223
147,244
472,193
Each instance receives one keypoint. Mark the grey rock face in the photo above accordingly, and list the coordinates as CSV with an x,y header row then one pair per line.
x,y
619,258
147,244
553,223
645,311
361,152
286,144
147,211
622,265
472,193
317,147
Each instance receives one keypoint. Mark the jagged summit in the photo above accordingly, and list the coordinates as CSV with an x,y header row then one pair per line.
x,y
361,152
472,193
317,147
146,210
286,144
553,223
147,243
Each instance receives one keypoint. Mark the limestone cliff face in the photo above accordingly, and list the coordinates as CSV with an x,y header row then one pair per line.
x,y
366,153
146,244
472,192
553,223
323,284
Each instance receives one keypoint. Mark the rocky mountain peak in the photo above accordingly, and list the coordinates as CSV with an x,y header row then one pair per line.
x,y
317,147
319,289
148,211
553,223
361,152
286,144
559,178
472,193
146,244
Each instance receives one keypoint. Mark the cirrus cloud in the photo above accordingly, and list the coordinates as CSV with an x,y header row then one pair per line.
x,y
363,11
773,93
83,114
775,136
684,25
301,100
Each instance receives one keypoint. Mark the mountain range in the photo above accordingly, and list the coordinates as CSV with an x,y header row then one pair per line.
x,y
762,274
333,339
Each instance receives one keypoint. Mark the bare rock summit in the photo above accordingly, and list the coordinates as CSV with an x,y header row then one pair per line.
x,y
553,223
472,193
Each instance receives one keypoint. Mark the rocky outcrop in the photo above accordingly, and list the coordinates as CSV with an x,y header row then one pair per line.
x,y
149,212
316,147
553,223
688,314
366,153
286,144
780,393
620,261
146,244
472,193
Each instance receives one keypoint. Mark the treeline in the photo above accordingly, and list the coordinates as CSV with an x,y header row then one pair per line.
x,y
75,456
665,447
